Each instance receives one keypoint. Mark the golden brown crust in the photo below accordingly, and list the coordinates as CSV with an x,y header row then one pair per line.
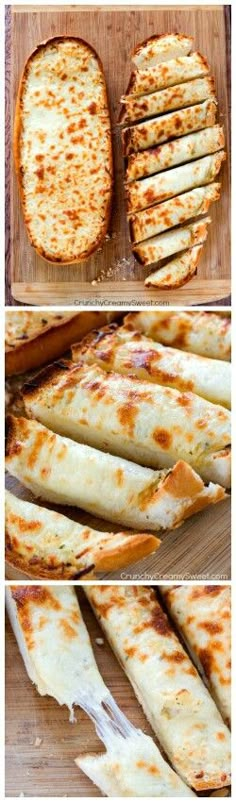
x,y
11,444
46,378
93,338
17,152
174,285
142,545
52,341
37,569
181,479
126,554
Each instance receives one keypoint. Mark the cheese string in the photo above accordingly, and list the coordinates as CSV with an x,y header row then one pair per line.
x,y
107,717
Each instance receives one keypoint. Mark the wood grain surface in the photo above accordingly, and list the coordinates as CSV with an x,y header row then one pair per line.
x,y
114,33
41,744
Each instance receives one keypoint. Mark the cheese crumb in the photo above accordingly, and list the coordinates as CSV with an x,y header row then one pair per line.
x,y
38,741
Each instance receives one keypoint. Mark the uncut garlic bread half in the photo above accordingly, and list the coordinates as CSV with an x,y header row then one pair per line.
x,y
63,150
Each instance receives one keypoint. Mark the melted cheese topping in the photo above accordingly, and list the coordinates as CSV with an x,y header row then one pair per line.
x,y
65,150
65,472
205,333
177,704
203,616
161,48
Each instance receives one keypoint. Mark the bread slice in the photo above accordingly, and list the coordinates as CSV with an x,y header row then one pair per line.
x,y
173,212
202,615
33,338
204,333
55,645
174,97
45,544
177,272
63,150
65,472
171,241
168,126
133,767
160,48
182,150
170,183
174,71
58,656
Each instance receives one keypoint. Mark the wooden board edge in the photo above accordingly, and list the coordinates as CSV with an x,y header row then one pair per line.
x,y
129,293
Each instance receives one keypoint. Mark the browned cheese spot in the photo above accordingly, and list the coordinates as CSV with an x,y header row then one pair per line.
x,y
163,438
127,414
119,474
23,525
68,631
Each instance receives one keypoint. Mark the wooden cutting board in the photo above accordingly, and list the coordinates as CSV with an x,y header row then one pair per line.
x,y
114,32
41,744
200,549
